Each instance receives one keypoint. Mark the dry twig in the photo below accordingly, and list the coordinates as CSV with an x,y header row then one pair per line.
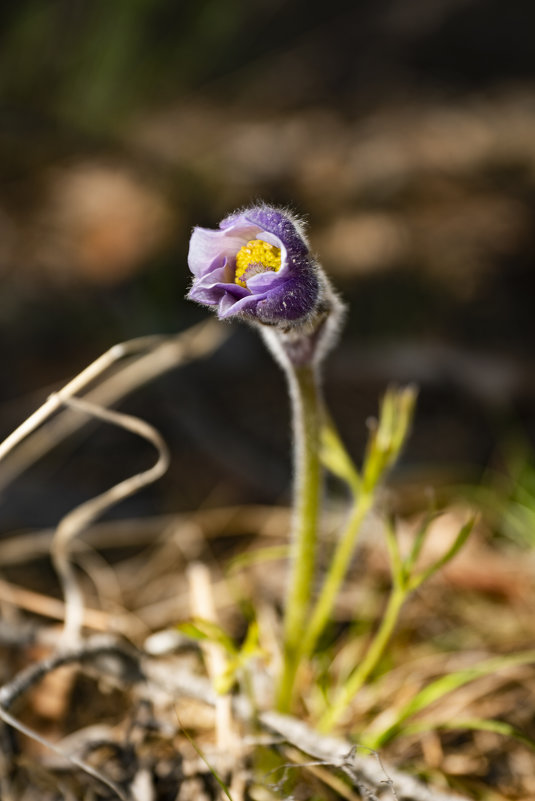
x,y
367,773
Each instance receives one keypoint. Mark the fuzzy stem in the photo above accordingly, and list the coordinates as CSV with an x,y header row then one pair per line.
x,y
304,391
368,664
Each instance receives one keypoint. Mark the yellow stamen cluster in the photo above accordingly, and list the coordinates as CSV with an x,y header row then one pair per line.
x,y
255,257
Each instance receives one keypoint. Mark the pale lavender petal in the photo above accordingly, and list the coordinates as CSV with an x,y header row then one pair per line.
x,y
243,307
206,246
263,282
211,292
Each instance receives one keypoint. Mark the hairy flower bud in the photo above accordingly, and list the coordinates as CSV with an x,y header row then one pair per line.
x,y
258,267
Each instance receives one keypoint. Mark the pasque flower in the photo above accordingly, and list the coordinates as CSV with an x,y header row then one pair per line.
x,y
257,266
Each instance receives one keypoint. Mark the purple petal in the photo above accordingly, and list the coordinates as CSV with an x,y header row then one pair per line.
x,y
206,246
292,300
282,226
243,307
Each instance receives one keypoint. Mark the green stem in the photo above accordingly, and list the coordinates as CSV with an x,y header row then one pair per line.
x,y
368,664
304,392
336,573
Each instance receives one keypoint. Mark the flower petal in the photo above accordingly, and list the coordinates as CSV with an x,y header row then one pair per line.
x,y
283,226
292,300
243,307
206,246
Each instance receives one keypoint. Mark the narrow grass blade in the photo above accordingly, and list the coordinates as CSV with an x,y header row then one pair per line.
x,y
474,724
447,684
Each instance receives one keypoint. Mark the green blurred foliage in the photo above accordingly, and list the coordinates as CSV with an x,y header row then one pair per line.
x,y
90,63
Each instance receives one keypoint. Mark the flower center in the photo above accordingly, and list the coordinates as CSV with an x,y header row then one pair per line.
x,y
256,257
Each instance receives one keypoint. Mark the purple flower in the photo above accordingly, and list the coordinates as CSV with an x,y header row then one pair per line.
x,y
257,266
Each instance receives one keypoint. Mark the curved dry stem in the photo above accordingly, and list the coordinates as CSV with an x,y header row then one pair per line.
x,y
12,721
78,383
79,518
127,664
164,354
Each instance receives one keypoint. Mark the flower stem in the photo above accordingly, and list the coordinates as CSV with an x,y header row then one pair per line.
x,y
305,395
336,573
368,664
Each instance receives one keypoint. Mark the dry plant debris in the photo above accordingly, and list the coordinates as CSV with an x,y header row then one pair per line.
x,y
138,717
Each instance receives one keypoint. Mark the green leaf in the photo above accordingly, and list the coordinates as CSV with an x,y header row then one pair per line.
x,y
396,563
200,629
452,551
406,401
268,554
335,457
238,662
475,724
225,681
446,684
419,540
389,434
217,777
251,644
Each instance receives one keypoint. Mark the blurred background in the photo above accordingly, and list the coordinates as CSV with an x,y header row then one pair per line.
x,y
403,130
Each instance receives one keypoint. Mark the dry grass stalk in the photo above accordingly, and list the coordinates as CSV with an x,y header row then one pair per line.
x,y
158,355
